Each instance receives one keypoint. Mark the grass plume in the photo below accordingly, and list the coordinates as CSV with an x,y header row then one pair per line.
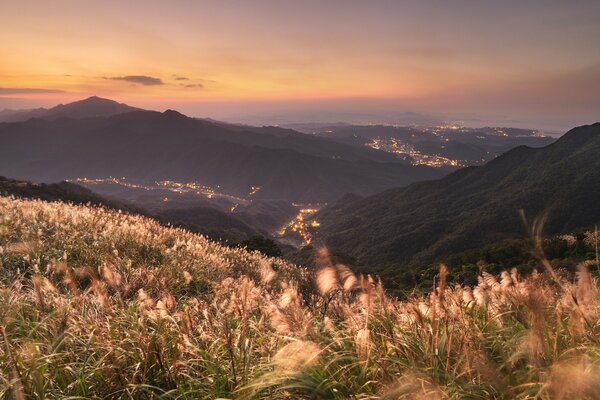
x,y
101,304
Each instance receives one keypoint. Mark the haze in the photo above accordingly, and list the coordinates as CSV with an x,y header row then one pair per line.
x,y
526,64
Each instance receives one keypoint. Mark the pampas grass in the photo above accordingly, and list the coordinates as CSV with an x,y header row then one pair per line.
x,y
101,304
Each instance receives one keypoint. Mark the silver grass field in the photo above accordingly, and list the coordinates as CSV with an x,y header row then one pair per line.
x,y
100,304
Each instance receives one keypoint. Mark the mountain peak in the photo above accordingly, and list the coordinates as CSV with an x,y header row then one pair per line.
x,y
93,101
93,106
97,99
172,114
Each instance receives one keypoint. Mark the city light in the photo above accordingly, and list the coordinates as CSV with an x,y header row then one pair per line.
x,y
394,145
301,225
193,188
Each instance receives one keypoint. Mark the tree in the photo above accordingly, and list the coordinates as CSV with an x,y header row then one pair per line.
x,y
260,243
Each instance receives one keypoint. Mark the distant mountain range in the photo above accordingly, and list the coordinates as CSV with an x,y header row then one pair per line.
x,y
428,221
98,138
91,107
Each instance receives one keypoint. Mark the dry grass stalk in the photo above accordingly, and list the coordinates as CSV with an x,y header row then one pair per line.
x,y
224,325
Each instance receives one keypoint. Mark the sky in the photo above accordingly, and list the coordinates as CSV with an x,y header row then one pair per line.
x,y
519,63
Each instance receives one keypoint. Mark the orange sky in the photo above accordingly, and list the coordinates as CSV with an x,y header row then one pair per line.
x,y
528,61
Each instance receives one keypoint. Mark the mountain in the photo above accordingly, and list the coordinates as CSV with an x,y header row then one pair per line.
x,y
210,222
267,215
427,221
8,115
91,107
148,146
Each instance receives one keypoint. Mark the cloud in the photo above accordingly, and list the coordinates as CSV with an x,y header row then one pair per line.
x,y
4,91
194,85
182,78
140,79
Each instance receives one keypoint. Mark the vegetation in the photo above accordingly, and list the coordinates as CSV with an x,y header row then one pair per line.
x,y
209,221
261,244
427,222
99,304
564,252
215,224
62,191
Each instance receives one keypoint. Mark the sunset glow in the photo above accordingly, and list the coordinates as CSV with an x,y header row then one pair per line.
x,y
209,58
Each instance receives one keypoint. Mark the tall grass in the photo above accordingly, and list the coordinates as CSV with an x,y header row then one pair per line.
x,y
98,304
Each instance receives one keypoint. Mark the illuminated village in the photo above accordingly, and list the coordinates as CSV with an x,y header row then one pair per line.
x,y
302,224
393,145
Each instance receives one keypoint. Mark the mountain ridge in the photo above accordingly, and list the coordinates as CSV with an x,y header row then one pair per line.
x,y
426,221
151,146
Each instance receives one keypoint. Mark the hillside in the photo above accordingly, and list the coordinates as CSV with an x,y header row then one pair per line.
x,y
62,191
147,146
211,222
428,221
100,304
207,220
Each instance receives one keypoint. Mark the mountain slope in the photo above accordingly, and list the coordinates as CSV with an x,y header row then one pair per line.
x,y
104,305
148,146
209,221
62,191
427,221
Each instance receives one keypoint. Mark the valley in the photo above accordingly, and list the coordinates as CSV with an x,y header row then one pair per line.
x,y
232,182
163,196
192,188
300,230
448,146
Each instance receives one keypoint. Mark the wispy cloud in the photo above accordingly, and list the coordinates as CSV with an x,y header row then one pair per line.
x,y
182,78
194,85
28,91
139,79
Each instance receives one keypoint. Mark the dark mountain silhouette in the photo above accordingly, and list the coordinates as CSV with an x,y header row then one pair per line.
x,y
91,107
9,115
211,222
147,146
428,221
266,215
